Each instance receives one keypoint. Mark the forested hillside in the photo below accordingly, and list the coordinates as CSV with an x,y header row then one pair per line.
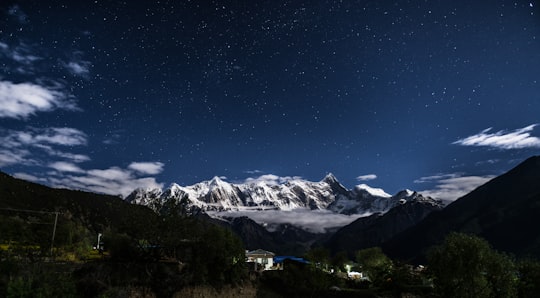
x,y
140,248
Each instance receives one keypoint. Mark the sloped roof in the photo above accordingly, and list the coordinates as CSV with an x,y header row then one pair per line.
x,y
260,253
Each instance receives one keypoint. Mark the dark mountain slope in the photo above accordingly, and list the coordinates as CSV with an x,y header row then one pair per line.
x,y
253,235
505,211
287,239
94,211
373,230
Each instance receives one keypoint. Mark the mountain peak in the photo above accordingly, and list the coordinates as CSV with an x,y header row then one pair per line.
x,y
379,192
404,193
330,178
217,181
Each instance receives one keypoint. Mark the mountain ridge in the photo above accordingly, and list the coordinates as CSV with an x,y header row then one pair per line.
x,y
260,194
504,211
377,228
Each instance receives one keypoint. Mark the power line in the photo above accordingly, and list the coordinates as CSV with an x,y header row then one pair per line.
x,y
56,213
30,211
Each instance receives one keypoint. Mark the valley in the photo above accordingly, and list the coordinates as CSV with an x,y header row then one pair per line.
x,y
322,221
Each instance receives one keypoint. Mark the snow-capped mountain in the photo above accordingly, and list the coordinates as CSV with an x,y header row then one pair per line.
x,y
371,231
261,194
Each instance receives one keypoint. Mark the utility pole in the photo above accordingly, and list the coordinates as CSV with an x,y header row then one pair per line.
x,y
54,231
40,212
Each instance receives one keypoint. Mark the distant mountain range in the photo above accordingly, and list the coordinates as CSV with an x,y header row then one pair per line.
x,y
273,216
327,194
505,211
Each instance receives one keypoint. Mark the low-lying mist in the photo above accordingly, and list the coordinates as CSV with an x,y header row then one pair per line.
x,y
315,221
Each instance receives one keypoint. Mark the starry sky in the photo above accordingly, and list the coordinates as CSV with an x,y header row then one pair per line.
x,y
107,96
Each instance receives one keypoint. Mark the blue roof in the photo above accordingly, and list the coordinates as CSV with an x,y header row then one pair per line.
x,y
280,259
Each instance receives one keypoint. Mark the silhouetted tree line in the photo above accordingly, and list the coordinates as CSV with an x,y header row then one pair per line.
x,y
462,266
143,250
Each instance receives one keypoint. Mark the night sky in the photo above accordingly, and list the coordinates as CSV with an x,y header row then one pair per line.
x,y
107,96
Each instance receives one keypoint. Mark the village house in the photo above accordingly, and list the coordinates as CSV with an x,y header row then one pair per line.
x,y
261,257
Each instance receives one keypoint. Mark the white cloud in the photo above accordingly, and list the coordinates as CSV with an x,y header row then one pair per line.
x,y
80,68
21,147
450,187
65,136
366,177
26,59
25,147
63,166
28,62
23,57
78,158
76,64
22,100
438,177
487,162
111,174
317,221
150,168
29,177
42,137
22,53
251,172
517,139
112,181
270,179
14,156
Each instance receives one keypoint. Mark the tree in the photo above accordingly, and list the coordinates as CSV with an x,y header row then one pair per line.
x,y
529,278
217,257
375,264
319,256
466,266
121,247
338,261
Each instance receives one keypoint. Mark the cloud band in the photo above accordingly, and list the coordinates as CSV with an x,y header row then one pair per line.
x,y
517,139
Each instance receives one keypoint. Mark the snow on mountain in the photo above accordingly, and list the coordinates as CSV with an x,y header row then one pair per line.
x,y
151,197
268,194
363,199
378,192
314,206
